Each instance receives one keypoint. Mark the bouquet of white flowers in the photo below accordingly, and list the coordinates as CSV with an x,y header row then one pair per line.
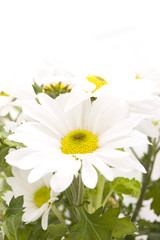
x,y
65,152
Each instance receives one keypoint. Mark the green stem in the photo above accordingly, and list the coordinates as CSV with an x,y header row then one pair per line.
x,y
73,191
150,159
71,208
107,197
100,187
135,154
57,213
80,191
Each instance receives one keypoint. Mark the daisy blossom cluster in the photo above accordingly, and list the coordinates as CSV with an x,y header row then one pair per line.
x,y
59,157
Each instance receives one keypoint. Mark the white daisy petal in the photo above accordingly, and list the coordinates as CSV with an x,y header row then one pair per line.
x,y
121,129
40,137
44,221
70,166
36,174
148,128
49,104
77,96
7,197
30,216
59,184
15,157
40,114
120,160
103,168
89,175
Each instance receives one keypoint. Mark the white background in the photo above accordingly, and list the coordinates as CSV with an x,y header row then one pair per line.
x,y
88,37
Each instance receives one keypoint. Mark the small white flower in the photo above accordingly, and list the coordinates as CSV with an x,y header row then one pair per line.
x,y
86,137
38,197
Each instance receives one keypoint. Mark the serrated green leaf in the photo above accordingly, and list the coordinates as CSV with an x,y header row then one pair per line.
x,y
154,192
96,226
56,230
123,226
15,206
126,186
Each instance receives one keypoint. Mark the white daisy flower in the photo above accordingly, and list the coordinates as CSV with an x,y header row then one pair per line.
x,y
49,72
86,137
38,196
140,94
57,80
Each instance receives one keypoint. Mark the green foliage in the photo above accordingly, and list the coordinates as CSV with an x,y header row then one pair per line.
x,y
11,227
152,229
24,231
101,226
37,233
37,88
154,192
3,152
123,226
126,186
13,144
55,231
94,226
15,207
4,134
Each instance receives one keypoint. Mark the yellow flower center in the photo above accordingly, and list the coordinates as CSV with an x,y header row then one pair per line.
x,y
54,90
79,141
42,196
98,81
155,123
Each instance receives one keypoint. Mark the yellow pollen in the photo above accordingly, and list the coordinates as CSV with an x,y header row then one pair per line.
x,y
98,81
41,196
79,141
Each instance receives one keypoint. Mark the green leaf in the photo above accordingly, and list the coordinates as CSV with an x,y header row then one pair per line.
x,y
152,229
96,226
15,206
123,226
4,134
37,88
154,192
56,230
24,231
11,227
37,233
13,144
126,186
3,153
